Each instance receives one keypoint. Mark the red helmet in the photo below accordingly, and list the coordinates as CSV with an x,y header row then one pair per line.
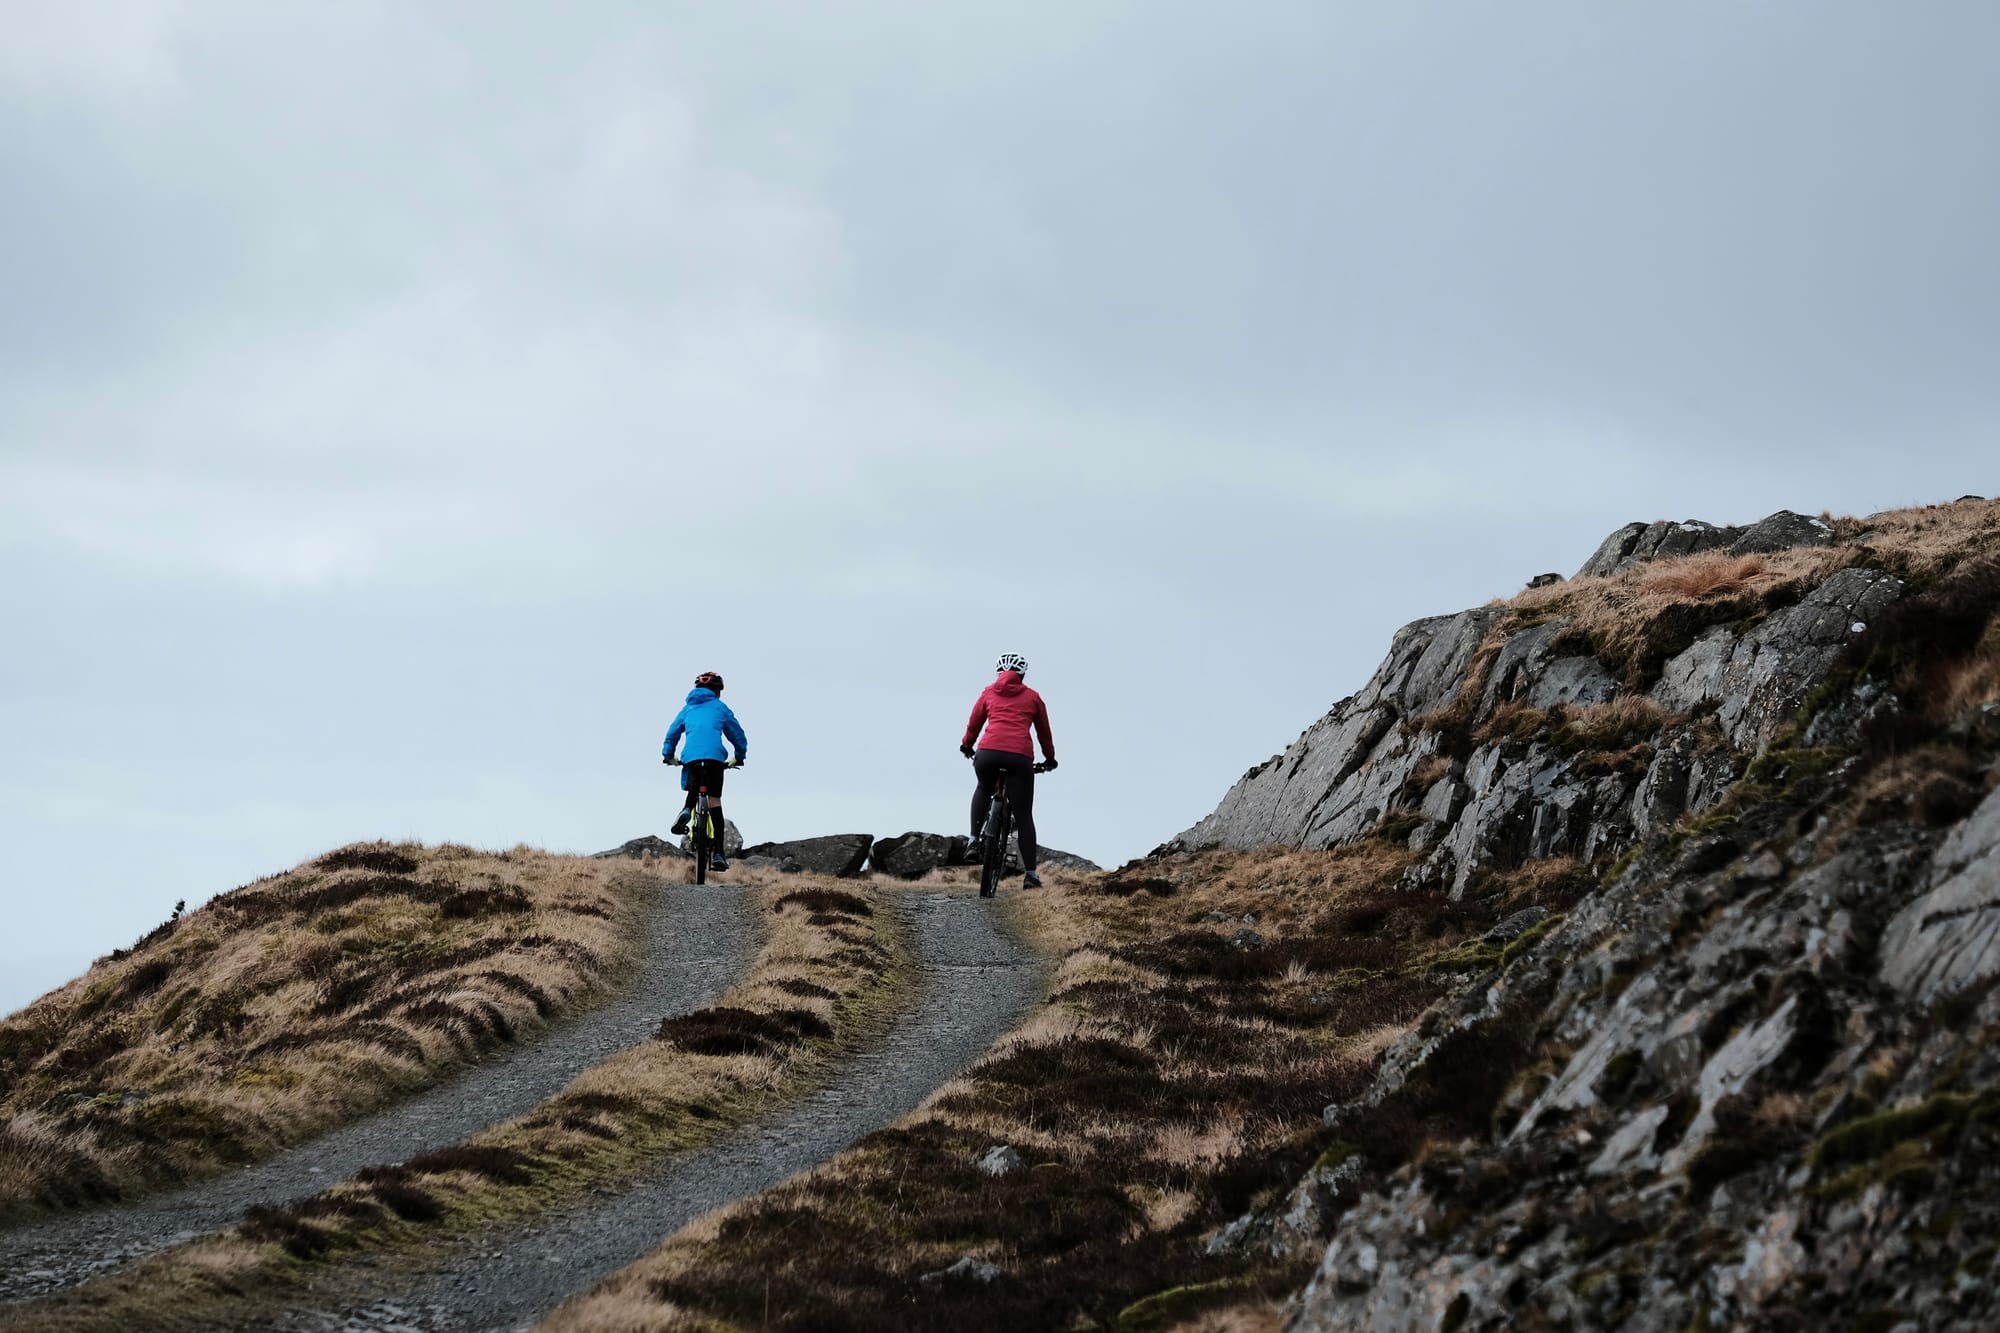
x,y
708,680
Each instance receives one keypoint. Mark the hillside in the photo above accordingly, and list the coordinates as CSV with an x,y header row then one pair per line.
x,y
294,1004
1618,957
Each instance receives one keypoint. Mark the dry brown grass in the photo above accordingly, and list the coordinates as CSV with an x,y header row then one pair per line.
x,y
1928,540
1974,684
1709,574
832,961
294,1004
1614,613
1634,619
1172,1080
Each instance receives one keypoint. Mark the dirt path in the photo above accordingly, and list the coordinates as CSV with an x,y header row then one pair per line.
x,y
976,981
699,940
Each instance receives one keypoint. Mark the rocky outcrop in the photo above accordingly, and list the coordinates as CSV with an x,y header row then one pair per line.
x,y
1750,1077
841,855
1425,742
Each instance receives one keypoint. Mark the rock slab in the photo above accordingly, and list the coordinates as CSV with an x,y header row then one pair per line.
x,y
914,855
840,855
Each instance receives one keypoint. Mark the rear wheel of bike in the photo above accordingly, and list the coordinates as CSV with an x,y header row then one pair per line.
x,y
993,857
699,846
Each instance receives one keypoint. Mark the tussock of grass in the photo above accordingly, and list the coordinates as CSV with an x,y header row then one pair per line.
x,y
1174,1079
830,963
294,1004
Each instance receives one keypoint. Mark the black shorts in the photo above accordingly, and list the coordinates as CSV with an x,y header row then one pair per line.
x,y
704,773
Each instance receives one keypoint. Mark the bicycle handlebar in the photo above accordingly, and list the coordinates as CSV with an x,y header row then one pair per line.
x,y
1045,766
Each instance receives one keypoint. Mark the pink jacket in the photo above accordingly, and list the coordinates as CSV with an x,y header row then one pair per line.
x,y
1007,710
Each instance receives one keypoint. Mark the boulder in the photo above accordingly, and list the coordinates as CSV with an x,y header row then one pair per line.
x,y
640,848
1781,532
1002,1159
732,839
1637,543
1046,858
915,855
840,855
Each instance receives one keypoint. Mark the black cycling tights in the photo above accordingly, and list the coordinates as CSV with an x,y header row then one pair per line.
x,y
1020,771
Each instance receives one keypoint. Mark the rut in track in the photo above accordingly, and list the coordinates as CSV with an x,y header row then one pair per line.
x,y
698,941
977,980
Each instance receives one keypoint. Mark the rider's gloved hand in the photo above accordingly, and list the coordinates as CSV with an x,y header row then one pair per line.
x,y
1048,765
965,750
670,759
737,762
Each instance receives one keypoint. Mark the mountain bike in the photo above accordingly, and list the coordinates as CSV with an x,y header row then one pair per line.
x,y
992,841
703,834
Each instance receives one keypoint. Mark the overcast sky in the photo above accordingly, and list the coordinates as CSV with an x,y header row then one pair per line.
x,y
400,403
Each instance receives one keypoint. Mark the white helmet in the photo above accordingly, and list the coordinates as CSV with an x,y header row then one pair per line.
x,y
1012,662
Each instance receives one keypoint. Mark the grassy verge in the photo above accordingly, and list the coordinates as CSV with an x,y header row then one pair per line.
x,y
831,967
1205,1010
294,1004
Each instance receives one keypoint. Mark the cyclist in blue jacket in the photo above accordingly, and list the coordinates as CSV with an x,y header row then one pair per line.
x,y
704,722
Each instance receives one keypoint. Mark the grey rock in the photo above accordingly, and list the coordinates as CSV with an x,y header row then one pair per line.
x,y
967,1269
1638,543
1761,868
640,848
732,839
914,855
1049,858
1949,938
1516,925
840,855
1002,1159
1781,532
1544,580
1759,679
1246,939
1612,552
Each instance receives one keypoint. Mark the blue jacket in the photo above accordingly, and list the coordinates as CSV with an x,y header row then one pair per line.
x,y
705,720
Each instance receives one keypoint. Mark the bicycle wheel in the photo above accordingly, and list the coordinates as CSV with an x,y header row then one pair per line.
x,y
699,845
994,853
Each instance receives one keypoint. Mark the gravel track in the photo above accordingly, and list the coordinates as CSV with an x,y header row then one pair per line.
x,y
698,942
976,980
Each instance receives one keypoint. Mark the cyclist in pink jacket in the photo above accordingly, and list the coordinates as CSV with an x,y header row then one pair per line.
x,y
998,742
